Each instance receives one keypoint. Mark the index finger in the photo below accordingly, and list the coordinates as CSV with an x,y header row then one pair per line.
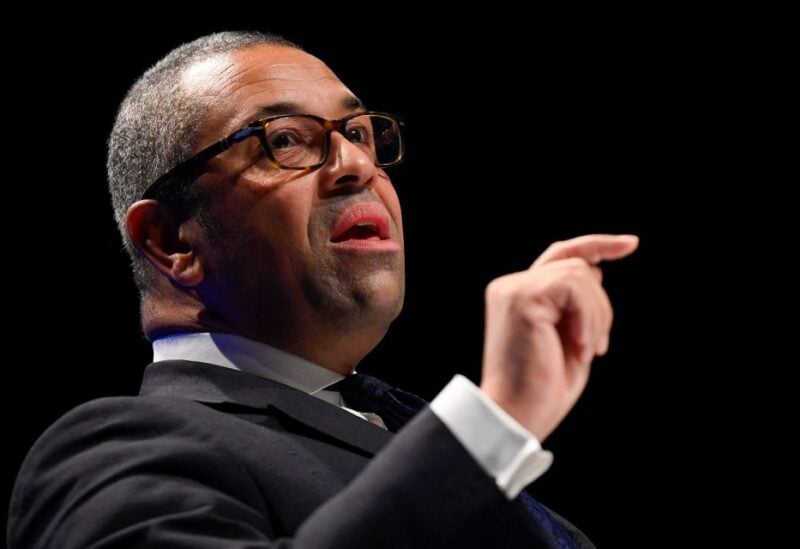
x,y
592,248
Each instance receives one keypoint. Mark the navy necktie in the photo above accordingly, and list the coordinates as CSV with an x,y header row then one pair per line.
x,y
396,407
367,394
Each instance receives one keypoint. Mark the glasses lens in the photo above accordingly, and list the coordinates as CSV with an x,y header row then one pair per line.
x,y
295,141
299,141
378,136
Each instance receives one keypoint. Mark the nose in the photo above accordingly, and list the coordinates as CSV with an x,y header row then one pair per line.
x,y
347,165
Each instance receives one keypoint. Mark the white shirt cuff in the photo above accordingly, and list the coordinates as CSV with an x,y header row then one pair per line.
x,y
507,451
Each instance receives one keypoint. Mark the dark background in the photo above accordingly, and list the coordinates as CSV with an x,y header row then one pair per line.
x,y
521,131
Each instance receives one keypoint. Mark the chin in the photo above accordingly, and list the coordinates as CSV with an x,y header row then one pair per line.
x,y
361,301
381,298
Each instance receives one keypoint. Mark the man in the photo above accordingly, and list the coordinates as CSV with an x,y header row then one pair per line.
x,y
266,237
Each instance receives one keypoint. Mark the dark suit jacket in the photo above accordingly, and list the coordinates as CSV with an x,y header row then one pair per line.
x,y
212,457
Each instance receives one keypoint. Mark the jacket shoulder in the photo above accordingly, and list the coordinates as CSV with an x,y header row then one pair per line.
x,y
118,447
116,429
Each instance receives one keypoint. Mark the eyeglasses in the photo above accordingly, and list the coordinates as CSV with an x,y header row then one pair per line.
x,y
303,141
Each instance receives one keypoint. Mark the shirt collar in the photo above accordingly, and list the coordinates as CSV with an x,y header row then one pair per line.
x,y
246,355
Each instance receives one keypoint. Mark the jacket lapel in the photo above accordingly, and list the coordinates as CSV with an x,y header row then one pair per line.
x,y
211,384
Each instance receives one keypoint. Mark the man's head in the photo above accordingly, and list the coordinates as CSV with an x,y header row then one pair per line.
x,y
307,260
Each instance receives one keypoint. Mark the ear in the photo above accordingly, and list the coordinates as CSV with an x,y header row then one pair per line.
x,y
155,232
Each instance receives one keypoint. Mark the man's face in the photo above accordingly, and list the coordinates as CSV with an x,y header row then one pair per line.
x,y
296,258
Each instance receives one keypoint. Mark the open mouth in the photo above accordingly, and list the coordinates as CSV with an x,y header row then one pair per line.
x,y
366,221
360,231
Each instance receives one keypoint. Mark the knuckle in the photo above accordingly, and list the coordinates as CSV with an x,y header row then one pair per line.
x,y
514,290
499,288
576,267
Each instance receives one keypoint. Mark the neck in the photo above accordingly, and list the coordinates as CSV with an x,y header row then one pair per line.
x,y
324,345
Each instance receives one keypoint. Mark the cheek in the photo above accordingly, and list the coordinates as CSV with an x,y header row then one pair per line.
x,y
288,218
276,220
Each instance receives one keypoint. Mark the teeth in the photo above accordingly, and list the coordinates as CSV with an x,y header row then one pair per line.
x,y
365,225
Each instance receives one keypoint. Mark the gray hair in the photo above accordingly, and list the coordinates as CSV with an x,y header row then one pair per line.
x,y
156,127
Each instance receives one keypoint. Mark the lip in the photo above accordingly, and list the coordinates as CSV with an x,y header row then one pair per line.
x,y
373,218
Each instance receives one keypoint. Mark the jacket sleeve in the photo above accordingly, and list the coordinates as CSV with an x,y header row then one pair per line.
x,y
108,475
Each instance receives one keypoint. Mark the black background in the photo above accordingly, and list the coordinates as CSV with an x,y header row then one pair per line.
x,y
522,130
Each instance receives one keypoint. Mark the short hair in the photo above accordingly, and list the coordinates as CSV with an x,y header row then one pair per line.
x,y
156,127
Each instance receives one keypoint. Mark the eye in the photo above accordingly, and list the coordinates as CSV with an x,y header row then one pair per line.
x,y
357,134
282,140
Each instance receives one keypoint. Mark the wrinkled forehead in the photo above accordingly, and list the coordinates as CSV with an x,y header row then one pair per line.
x,y
243,85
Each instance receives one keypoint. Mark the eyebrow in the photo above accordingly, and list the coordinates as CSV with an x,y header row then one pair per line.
x,y
350,103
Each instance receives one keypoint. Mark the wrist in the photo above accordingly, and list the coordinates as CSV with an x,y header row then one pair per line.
x,y
531,413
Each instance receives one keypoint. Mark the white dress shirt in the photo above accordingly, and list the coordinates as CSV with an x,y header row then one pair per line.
x,y
508,452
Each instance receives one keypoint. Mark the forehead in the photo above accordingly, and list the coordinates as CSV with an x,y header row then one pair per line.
x,y
237,86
